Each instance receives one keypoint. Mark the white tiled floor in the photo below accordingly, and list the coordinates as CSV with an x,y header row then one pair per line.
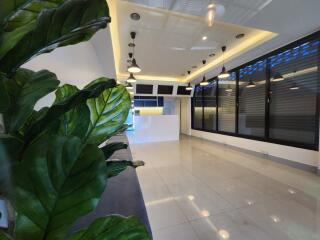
x,y
198,190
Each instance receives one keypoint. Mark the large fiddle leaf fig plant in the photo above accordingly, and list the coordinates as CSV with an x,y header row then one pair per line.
x,y
53,168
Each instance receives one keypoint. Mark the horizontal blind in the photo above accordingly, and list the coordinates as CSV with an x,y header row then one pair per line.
x,y
294,86
197,108
227,101
210,106
252,84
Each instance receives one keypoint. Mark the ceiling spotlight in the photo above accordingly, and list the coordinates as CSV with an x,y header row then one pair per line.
x,y
251,84
135,16
224,73
132,45
189,87
129,86
239,36
204,38
212,55
277,78
131,79
134,68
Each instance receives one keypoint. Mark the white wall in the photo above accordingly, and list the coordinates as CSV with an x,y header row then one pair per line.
x,y
76,64
298,155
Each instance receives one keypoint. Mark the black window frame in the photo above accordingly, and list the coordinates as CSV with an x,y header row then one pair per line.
x,y
266,138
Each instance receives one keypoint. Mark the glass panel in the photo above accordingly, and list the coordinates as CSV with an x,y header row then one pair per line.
x,y
197,108
210,106
227,104
294,80
252,86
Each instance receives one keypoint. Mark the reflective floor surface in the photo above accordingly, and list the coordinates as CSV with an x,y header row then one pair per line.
x,y
198,190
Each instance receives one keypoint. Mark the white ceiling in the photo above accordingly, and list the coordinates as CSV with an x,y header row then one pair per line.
x,y
169,34
169,42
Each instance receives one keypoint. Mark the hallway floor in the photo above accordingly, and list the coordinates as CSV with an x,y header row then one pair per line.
x,y
198,190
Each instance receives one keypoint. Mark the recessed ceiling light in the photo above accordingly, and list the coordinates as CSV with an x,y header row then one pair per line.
x,y
212,55
204,38
239,36
135,16
210,6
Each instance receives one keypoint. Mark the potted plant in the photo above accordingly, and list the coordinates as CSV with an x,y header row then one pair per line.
x,y
52,169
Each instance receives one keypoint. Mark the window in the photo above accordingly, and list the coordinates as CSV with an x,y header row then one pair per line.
x,y
197,108
252,87
275,98
210,106
183,91
227,104
293,96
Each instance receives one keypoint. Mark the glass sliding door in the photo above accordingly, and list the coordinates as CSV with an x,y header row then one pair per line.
x,y
252,94
293,96
227,104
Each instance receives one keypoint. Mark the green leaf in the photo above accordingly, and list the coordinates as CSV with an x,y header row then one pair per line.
x,y
17,18
113,228
25,89
76,121
111,148
73,22
108,112
12,145
4,97
59,109
57,182
114,168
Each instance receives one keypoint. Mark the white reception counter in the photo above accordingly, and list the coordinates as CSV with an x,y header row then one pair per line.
x,y
157,128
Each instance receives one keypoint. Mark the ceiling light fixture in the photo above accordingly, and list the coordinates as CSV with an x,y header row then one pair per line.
x,y
204,80
224,73
211,14
129,86
251,84
277,77
131,79
134,67
189,87
204,38
212,55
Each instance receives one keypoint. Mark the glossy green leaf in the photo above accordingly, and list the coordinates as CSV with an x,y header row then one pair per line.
x,y
113,228
111,148
108,112
59,109
18,17
76,121
114,168
4,97
58,181
25,89
73,22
